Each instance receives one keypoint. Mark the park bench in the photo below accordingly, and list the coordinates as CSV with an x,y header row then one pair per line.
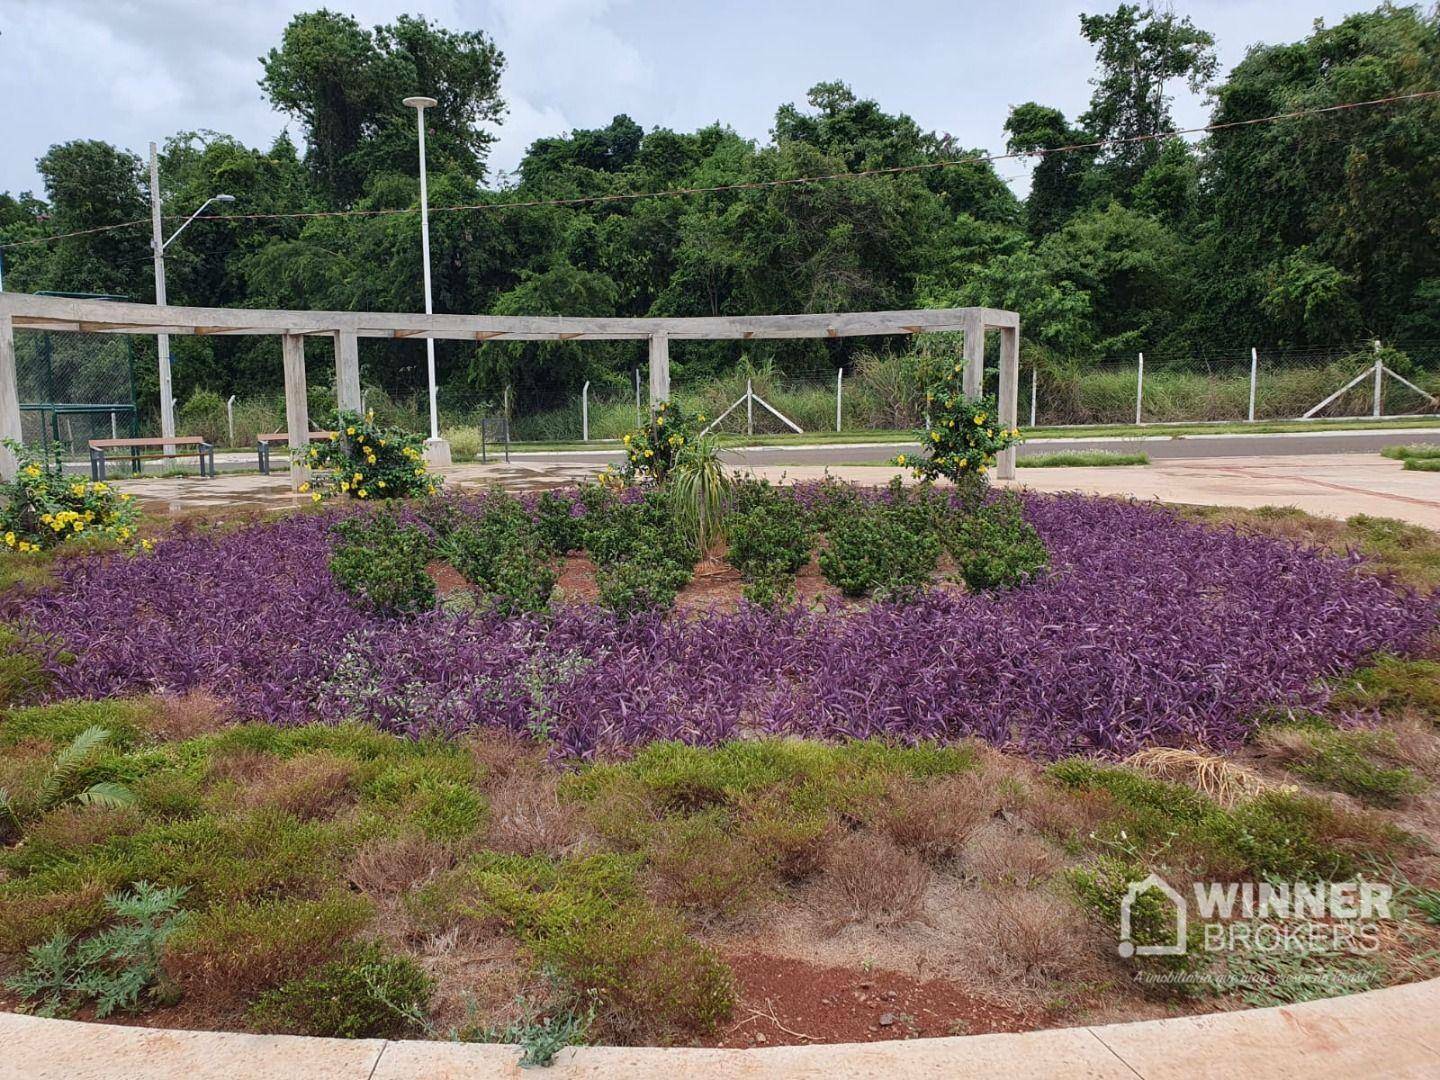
x,y
141,449
264,442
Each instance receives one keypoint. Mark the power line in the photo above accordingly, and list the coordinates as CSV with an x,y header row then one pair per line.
x,y
756,185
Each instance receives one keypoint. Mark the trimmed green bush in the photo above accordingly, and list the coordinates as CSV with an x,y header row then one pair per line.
x,y
995,547
879,551
381,562
366,994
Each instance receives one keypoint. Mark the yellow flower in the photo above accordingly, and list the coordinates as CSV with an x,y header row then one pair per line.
x,y
315,497
381,484
147,545
627,440
419,472
660,420
358,477
900,460
45,519
934,436
344,485
363,493
382,442
701,418
10,539
77,489
305,486
126,497
649,453
350,430
963,463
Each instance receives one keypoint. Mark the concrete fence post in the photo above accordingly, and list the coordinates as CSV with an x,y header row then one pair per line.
x,y
639,412
1034,392
229,418
839,394
1139,387
585,412
749,409
1254,374
1379,392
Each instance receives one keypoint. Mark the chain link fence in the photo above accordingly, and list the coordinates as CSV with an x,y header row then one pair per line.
x,y
74,387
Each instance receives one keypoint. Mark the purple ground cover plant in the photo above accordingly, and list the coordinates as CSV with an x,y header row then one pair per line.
x,y
1149,630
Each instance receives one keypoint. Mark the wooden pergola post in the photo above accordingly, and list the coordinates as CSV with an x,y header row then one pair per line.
x,y
974,351
1009,393
9,398
347,371
659,368
297,408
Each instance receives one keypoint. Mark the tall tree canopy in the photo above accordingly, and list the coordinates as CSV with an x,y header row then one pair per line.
x,y
1303,232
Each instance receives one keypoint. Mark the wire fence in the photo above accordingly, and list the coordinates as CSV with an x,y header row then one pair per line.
x,y
75,387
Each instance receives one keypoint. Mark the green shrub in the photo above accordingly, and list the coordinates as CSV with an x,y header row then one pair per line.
x,y
632,586
446,810
236,950
965,435
124,720
502,555
653,449
559,529
204,414
364,995
111,968
465,442
995,547
877,550
587,925
366,461
1101,888
1353,762
381,562
769,540
22,673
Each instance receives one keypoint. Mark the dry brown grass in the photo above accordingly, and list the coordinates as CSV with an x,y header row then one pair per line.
x,y
310,786
1415,745
527,816
1224,781
1001,855
499,753
1070,815
1031,938
870,878
701,863
241,766
934,818
187,716
387,867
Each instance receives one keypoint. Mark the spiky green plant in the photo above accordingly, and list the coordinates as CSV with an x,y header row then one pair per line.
x,y
60,782
699,489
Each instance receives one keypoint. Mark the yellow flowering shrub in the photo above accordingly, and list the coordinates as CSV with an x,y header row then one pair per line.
x,y
653,449
368,462
965,433
44,507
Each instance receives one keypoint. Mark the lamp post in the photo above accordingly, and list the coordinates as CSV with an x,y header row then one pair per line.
x,y
437,450
158,246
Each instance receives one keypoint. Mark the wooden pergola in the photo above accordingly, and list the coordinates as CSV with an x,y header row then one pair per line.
x,y
62,314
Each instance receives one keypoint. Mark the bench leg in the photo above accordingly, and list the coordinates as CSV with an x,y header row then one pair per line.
x,y
94,466
135,466
262,451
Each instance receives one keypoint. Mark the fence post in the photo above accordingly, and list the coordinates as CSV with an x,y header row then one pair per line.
x,y
839,392
639,413
505,421
1139,387
229,418
1379,382
749,409
585,412
1034,383
1254,372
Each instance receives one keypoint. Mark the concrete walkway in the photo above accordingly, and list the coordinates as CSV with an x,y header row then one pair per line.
x,y
1389,1033
1331,485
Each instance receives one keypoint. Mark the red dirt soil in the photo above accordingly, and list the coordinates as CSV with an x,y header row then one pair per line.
x,y
784,1002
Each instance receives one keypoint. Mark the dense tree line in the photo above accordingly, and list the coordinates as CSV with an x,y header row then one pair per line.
x,y
1304,232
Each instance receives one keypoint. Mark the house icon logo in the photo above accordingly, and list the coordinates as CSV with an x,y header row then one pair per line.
x,y
1137,889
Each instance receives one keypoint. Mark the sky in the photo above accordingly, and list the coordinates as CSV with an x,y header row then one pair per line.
x,y
132,71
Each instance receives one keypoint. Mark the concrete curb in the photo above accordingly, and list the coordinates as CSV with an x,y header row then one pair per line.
x,y
1393,1033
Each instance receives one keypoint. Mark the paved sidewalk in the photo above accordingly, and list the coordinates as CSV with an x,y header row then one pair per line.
x,y
1383,1033
1333,485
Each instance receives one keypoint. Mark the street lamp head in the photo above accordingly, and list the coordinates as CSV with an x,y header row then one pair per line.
x,y
420,102
223,198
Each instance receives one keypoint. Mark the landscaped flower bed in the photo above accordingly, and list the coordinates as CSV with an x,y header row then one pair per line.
x,y
1147,630
566,864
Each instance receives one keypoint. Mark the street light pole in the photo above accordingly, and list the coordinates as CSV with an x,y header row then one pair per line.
x,y
437,450
158,245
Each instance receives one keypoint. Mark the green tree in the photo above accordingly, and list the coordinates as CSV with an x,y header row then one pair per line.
x,y
1139,52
